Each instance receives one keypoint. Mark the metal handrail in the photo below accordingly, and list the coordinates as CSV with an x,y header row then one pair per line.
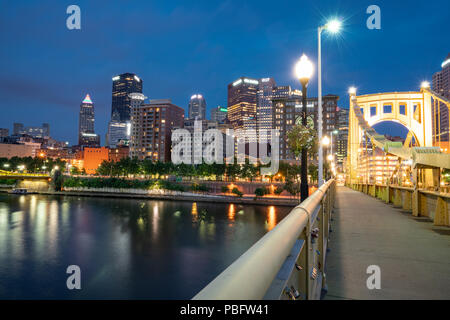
x,y
251,275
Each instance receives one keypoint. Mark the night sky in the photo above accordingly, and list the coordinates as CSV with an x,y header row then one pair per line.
x,y
184,47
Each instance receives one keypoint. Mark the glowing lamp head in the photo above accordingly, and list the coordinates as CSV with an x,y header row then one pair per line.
x,y
325,141
352,91
334,26
425,85
304,69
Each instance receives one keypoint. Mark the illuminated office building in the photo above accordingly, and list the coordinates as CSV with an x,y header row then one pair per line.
x,y
86,132
122,86
197,107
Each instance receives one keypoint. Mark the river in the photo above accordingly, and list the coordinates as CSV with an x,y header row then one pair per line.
x,y
125,248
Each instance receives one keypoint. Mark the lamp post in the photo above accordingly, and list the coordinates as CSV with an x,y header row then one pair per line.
x,y
333,26
303,70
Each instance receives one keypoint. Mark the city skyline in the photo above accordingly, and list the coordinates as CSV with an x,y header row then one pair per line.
x,y
270,50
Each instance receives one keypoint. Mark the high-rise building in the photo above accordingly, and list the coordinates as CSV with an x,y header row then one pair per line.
x,y
264,107
287,111
4,132
151,128
219,114
242,101
123,85
342,136
86,132
441,85
197,107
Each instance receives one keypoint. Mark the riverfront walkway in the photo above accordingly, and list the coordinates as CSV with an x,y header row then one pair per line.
x,y
413,255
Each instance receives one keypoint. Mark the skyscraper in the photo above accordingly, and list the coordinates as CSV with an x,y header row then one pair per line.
x,y
342,136
123,85
197,107
264,107
441,85
86,132
219,114
242,100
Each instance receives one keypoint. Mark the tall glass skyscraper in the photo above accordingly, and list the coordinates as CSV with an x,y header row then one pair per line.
x,y
264,107
123,85
86,132
197,107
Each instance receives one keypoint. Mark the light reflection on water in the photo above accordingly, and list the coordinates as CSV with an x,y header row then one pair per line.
x,y
126,248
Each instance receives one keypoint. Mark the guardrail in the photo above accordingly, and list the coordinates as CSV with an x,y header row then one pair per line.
x,y
420,202
288,262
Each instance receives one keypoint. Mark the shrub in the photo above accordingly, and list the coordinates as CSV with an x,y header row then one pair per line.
x,y
237,192
278,190
260,192
224,189
199,187
8,182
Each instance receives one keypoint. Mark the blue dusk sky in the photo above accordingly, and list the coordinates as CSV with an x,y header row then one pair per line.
x,y
180,48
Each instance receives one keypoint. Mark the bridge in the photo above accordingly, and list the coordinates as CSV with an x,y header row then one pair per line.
x,y
385,235
31,181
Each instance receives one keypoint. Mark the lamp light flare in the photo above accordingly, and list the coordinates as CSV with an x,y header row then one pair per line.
x,y
425,84
352,90
325,141
304,68
334,26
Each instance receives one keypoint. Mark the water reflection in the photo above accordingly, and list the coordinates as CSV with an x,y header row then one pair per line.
x,y
126,249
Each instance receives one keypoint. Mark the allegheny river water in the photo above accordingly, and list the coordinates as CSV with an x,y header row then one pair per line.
x,y
125,248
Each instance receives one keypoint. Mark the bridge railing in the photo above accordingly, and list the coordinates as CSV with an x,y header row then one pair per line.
x,y
420,202
288,262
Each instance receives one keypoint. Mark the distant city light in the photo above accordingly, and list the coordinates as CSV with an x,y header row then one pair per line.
x,y
196,96
116,78
251,81
137,78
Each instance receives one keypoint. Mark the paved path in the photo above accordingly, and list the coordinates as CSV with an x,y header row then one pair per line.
x,y
413,255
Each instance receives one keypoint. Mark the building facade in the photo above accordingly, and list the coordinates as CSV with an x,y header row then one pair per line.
x,y
122,86
242,102
219,114
264,107
197,107
86,131
287,111
118,132
441,85
35,132
151,128
4,132
342,136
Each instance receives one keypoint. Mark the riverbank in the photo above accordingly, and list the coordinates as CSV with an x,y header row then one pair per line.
x,y
265,201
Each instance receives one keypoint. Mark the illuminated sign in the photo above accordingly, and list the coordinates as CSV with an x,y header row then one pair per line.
x,y
265,79
137,78
115,78
223,109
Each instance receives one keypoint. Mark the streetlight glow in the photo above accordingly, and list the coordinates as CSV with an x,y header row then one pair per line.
x,y
304,68
325,141
425,84
334,26
352,91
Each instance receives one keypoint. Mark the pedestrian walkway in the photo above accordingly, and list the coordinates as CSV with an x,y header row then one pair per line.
x,y
413,255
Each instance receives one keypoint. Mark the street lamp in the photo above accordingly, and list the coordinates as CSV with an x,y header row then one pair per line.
x,y
304,70
332,26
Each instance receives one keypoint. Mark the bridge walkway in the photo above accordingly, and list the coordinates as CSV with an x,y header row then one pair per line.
x,y
413,255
